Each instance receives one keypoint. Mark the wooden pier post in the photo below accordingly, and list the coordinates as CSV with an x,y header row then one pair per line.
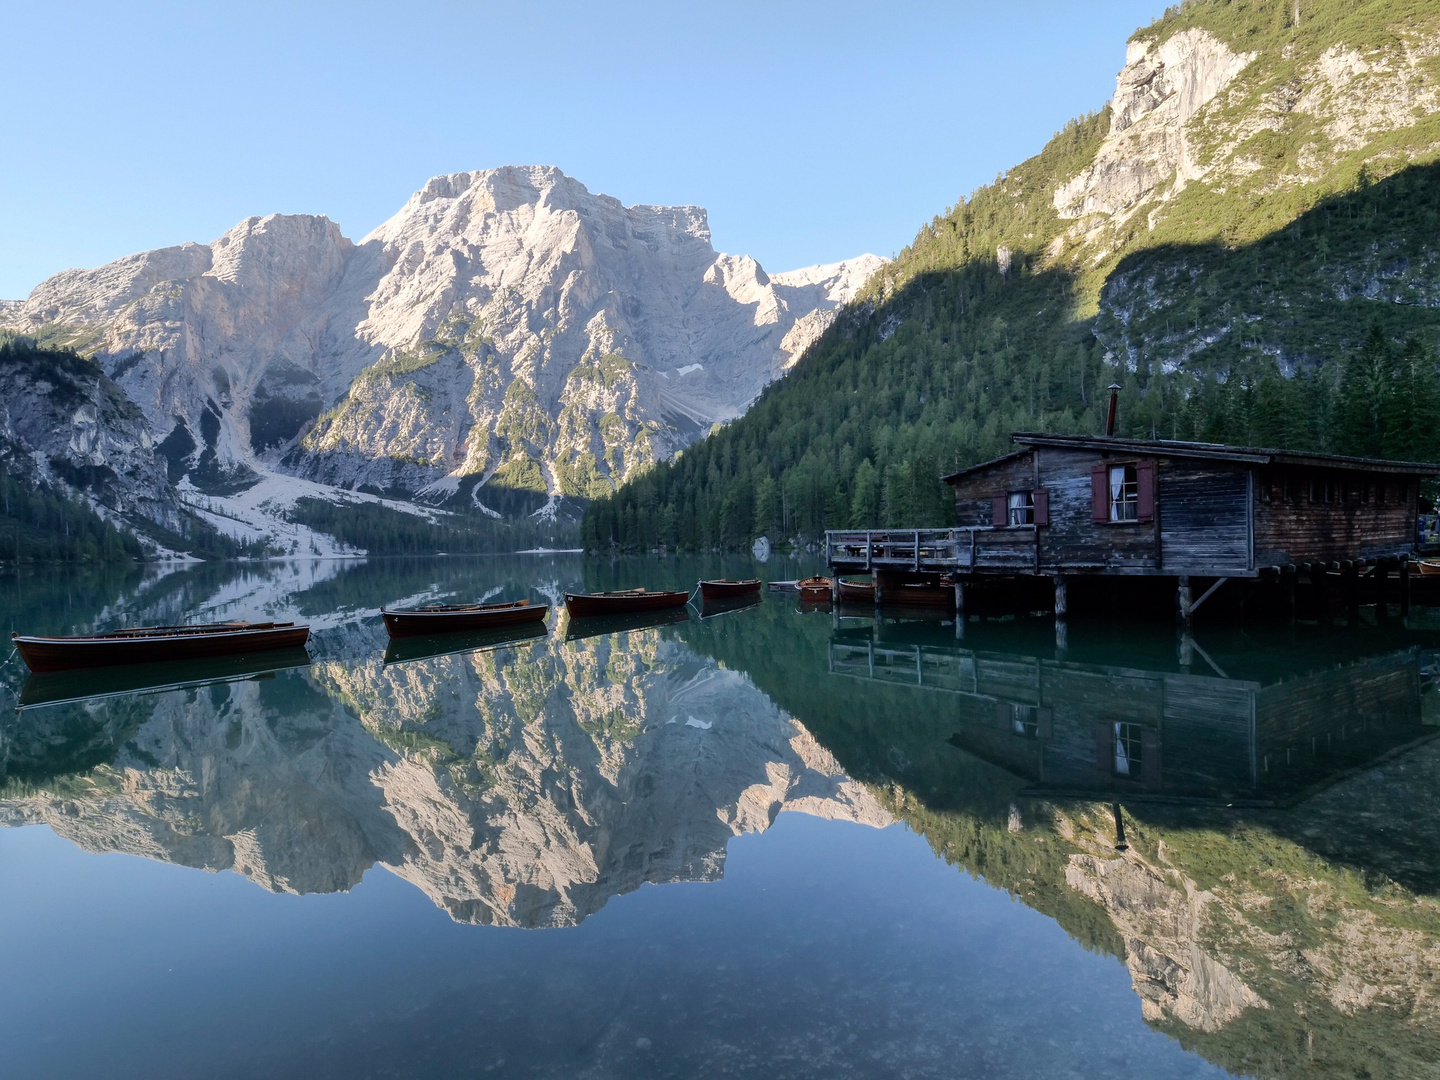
x,y
1382,589
1405,588
1062,638
1182,599
1351,578
1062,597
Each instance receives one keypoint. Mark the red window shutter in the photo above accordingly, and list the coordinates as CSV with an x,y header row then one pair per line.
x,y
1100,493
1145,491
1042,506
1000,505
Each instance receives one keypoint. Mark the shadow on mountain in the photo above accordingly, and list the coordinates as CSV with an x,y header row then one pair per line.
x,y
1307,292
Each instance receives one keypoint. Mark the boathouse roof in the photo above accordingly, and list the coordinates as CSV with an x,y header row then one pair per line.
x,y
1250,455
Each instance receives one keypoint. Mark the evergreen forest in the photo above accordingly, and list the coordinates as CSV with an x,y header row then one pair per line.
x,y
1299,318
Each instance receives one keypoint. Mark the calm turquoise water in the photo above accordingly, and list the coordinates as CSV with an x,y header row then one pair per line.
x,y
775,842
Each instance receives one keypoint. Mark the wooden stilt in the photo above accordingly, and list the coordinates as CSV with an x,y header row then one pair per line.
x,y
1382,589
1405,588
1182,599
1062,597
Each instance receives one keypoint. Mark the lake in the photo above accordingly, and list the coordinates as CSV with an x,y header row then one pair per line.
x,y
775,841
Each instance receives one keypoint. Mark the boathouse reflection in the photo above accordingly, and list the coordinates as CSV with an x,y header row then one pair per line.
x,y
1225,721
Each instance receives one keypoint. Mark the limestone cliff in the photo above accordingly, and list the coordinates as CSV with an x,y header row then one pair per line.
x,y
506,325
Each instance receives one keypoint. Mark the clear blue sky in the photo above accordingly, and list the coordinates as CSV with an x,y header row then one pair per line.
x,y
811,131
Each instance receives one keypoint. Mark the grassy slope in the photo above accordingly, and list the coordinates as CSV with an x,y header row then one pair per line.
x,y
942,356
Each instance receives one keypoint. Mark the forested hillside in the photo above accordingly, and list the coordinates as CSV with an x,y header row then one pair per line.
x,y
1245,239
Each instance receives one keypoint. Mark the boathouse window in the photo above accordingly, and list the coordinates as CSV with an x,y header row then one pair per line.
x,y
1129,750
1123,493
1022,508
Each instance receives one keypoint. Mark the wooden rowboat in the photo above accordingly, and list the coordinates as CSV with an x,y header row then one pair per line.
x,y
459,618
157,644
922,594
725,588
857,592
815,588
623,602
1428,567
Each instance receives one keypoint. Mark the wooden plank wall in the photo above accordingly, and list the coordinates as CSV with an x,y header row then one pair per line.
x,y
1073,538
1356,523
973,493
1202,507
1203,514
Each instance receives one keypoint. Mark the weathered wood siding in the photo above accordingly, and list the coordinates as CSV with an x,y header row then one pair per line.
x,y
1204,520
1212,517
1362,519
974,493
1073,539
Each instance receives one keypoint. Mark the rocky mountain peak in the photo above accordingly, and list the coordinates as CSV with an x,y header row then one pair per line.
x,y
505,327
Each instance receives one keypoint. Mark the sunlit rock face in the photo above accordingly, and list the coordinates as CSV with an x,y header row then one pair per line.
x,y
523,786
1161,89
506,325
1160,917
1192,108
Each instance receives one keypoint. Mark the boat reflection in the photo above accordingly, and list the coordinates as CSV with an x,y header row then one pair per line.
x,y
56,687
589,626
406,649
724,605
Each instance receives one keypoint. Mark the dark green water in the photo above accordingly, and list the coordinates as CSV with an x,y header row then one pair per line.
x,y
774,842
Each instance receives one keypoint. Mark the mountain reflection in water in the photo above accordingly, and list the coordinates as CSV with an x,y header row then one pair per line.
x,y
523,785
1277,908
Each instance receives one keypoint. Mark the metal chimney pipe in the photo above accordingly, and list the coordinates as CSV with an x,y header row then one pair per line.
x,y
1114,401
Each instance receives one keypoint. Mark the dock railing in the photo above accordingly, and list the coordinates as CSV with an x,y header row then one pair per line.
x,y
974,549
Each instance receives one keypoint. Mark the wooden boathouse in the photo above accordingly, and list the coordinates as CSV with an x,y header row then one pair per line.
x,y
1064,507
